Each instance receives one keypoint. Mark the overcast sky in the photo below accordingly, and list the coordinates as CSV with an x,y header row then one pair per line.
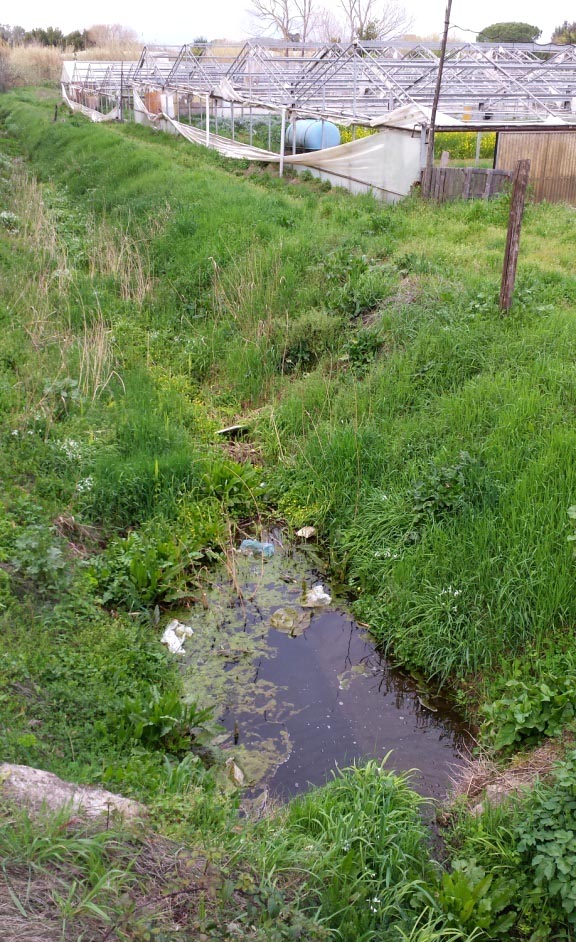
x,y
227,19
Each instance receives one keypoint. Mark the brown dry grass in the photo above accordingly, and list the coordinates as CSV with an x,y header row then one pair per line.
x,y
42,65
57,347
140,886
152,886
113,52
481,779
35,65
117,252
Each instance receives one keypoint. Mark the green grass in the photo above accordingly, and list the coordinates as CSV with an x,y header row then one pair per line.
x,y
153,292
372,335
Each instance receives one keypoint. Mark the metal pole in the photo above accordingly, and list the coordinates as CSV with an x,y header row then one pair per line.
x,y
121,112
250,112
430,153
232,114
269,131
207,120
293,122
282,140
355,69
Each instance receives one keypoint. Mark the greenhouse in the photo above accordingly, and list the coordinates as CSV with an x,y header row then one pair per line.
x,y
242,100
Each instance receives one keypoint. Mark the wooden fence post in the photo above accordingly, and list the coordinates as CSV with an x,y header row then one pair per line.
x,y
518,198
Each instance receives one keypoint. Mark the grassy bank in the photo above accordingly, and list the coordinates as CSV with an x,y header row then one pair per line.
x,y
153,292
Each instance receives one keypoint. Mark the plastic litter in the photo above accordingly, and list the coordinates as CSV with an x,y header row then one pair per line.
x,y
290,620
256,548
234,772
306,533
316,597
174,634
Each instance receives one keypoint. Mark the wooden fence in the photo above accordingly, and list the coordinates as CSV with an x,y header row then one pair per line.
x,y
552,156
468,183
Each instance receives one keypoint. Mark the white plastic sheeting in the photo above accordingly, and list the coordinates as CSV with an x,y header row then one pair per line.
x,y
223,145
90,112
414,116
387,162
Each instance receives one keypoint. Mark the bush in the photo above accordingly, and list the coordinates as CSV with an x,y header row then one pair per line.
x,y
547,839
461,145
530,711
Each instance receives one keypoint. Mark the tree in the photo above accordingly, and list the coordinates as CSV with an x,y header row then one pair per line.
x,y
11,35
109,34
370,32
51,36
367,19
18,34
509,33
76,40
198,46
565,33
292,19
327,27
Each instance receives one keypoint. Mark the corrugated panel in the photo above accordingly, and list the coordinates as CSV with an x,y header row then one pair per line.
x,y
553,162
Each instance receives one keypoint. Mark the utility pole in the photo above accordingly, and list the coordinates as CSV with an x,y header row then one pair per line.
x,y
426,183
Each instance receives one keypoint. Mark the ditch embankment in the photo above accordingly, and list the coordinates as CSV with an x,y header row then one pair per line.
x,y
153,293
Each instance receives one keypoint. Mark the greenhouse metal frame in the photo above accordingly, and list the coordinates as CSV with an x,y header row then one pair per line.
x,y
485,86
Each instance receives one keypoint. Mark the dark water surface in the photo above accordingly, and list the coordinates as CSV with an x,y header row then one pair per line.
x,y
343,715
301,707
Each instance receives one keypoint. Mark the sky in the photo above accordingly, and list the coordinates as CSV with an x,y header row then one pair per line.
x,y
227,19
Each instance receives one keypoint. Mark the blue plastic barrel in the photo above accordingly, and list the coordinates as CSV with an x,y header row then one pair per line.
x,y
312,134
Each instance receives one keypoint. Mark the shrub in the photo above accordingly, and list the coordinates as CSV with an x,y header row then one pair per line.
x,y
461,145
547,841
158,563
530,711
39,557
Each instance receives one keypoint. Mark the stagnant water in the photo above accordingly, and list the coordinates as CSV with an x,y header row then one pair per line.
x,y
298,703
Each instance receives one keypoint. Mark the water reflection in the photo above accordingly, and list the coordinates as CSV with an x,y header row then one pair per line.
x,y
300,707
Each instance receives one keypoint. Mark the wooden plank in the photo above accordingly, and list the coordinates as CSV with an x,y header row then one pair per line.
x,y
553,157
520,185
467,181
436,182
456,190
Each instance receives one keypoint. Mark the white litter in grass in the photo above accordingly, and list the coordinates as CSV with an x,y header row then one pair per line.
x,y
306,533
316,597
235,773
174,634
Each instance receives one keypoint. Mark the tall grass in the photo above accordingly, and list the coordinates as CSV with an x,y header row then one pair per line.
x,y
374,334
360,843
35,65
